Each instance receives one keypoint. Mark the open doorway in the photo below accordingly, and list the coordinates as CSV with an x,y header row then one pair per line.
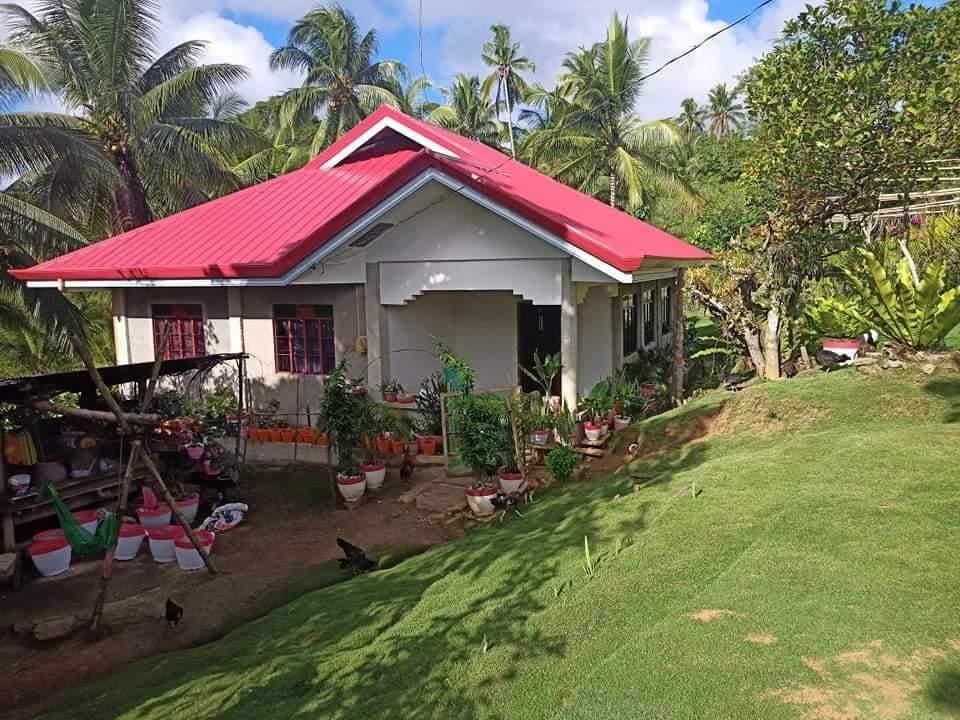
x,y
538,331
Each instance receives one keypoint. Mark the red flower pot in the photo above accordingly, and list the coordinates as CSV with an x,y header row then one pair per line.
x,y
390,396
397,447
480,500
275,435
323,439
306,435
428,446
287,435
383,444
510,482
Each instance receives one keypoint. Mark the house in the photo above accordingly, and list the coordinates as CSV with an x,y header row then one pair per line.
x,y
398,233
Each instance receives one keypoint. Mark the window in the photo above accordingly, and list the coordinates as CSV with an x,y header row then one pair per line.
x,y
629,305
303,339
646,310
186,331
666,309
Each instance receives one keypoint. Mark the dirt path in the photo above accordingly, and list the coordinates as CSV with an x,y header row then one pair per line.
x,y
291,528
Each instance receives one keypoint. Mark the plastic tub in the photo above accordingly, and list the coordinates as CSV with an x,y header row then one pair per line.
x,y
162,538
188,507
154,517
48,535
19,484
187,556
87,519
51,557
129,540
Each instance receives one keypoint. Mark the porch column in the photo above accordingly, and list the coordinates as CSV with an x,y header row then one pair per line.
x,y
677,340
121,331
569,340
235,322
377,344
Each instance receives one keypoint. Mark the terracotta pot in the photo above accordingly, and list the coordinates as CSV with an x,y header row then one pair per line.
x,y
438,441
510,482
323,439
390,396
397,447
253,434
480,500
351,487
306,435
428,446
275,434
287,435
383,444
374,474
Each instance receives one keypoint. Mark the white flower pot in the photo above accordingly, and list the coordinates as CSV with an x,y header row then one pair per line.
x,y
351,488
51,557
510,482
374,474
129,541
154,517
162,540
621,423
188,507
593,431
480,500
187,556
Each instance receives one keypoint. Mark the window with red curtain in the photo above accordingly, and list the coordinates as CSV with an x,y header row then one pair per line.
x,y
186,330
303,339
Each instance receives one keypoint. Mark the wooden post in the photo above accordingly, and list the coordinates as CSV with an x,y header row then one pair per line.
x,y
136,447
102,416
676,390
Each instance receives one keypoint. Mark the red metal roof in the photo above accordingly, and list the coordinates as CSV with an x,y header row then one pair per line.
x,y
266,230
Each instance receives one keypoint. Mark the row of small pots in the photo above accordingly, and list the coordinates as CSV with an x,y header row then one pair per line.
x,y
423,445
306,436
596,430
404,398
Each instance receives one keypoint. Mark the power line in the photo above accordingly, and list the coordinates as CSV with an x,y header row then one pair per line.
x,y
660,68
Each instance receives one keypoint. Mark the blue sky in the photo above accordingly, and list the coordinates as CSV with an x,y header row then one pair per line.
x,y
245,32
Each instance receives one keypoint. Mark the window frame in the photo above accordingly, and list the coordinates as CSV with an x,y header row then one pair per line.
x,y
295,322
630,342
185,323
665,298
648,341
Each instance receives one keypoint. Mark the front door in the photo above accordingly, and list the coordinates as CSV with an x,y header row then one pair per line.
x,y
538,331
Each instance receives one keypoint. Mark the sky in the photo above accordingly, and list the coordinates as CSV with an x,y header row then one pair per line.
x,y
245,32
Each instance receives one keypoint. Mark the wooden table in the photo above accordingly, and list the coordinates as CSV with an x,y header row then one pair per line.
x,y
76,493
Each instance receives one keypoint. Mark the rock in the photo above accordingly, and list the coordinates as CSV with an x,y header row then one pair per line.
x,y
8,568
892,365
869,369
444,499
411,495
56,628
865,361
928,369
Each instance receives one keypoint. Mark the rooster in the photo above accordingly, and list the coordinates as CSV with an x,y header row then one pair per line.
x,y
173,613
406,469
354,558
829,360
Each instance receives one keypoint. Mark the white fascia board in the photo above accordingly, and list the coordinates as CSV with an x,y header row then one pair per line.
x,y
350,232
397,127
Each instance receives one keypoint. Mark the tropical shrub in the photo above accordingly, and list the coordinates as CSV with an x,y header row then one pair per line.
x,y
485,442
832,317
561,463
344,416
430,421
916,314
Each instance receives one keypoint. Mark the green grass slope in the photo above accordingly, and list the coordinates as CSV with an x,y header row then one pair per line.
x,y
822,550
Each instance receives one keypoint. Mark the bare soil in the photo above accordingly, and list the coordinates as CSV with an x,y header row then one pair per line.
x,y
290,532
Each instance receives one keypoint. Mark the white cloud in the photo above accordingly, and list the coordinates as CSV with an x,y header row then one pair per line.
x,y
547,29
229,42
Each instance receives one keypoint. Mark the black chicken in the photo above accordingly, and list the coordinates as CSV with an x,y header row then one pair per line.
x,y
829,360
502,502
173,613
734,381
354,558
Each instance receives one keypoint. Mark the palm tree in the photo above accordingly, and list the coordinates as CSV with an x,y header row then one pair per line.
x,y
595,142
341,77
724,111
691,117
142,145
412,96
467,111
503,55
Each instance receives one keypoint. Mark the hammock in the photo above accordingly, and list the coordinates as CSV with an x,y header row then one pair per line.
x,y
82,540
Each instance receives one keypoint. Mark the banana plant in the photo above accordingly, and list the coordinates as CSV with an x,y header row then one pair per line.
x,y
917,314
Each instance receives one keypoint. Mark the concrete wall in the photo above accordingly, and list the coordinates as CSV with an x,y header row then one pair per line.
x,y
140,317
479,326
595,314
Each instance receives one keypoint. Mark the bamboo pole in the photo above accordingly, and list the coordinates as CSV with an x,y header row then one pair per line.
x,y
102,416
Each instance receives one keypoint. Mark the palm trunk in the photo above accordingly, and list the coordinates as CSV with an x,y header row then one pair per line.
x,y
613,190
677,341
513,148
130,198
752,340
771,345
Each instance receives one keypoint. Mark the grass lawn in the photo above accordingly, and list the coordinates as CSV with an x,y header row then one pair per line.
x,y
815,576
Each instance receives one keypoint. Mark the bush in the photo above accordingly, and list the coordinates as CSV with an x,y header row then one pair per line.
x,y
428,404
561,462
485,438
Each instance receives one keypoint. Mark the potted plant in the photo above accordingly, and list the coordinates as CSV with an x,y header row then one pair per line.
x,y
390,389
346,418
406,398
543,373
457,373
596,407
484,445
383,444
428,445
374,474
540,421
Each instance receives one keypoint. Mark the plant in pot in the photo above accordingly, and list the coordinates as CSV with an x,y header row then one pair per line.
x,y
596,408
484,445
457,372
346,419
543,373
628,400
390,389
539,419
562,461
522,414
375,422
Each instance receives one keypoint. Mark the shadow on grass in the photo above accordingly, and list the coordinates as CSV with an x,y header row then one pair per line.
x,y
948,390
431,637
943,690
